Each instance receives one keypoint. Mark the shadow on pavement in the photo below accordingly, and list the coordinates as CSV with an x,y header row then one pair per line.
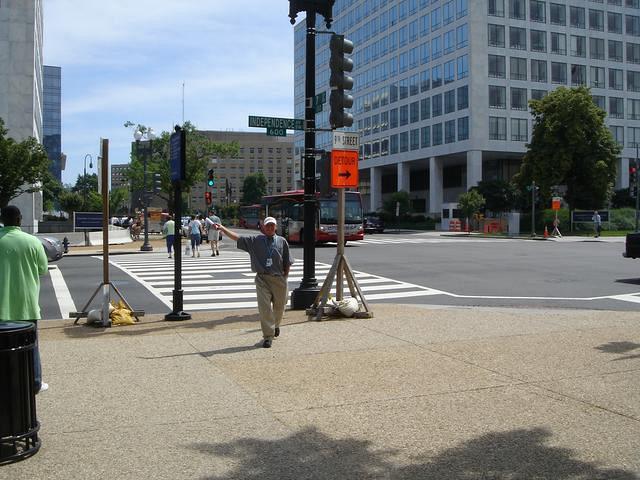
x,y
620,347
632,281
515,454
210,353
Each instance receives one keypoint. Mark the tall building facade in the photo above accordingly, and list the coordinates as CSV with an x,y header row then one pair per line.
x,y
21,85
52,118
273,156
441,86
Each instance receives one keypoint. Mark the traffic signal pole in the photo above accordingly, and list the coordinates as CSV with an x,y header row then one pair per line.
x,y
303,296
637,179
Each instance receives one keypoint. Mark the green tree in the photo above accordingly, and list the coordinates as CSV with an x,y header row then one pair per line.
x,y
118,201
23,165
572,146
500,195
389,205
52,188
254,188
71,202
470,203
200,150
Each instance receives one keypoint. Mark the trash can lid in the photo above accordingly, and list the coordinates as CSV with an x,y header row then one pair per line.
x,y
6,327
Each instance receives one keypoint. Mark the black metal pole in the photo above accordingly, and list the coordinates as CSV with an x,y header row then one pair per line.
x,y
304,296
636,187
146,246
178,300
533,209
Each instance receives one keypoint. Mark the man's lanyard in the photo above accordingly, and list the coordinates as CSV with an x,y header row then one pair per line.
x,y
270,247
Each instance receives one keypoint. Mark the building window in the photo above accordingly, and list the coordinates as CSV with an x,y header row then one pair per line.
x,y
496,35
633,137
518,68
463,128
617,133
404,142
558,43
578,74
597,77
517,38
497,66
393,118
436,105
632,25
415,139
462,36
577,17
393,144
425,80
633,81
596,20
450,131
559,73
578,46
436,76
518,98
449,71
461,8
538,40
463,66
596,48
414,112
463,97
437,134
615,51
633,109
425,137
496,8
600,101
497,128
538,71
557,14
633,52
615,79
517,9
538,94
537,11
425,108
519,130
616,107
497,97
404,115
614,22
449,101
633,3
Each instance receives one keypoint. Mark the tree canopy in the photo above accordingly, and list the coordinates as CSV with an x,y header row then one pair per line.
x,y
572,146
200,150
470,203
23,165
254,188
500,195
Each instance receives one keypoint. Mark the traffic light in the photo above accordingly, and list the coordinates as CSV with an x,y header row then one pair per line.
x,y
207,198
633,177
210,180
340,81
157,183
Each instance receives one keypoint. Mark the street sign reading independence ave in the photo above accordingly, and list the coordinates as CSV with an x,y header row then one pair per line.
x,y
276,122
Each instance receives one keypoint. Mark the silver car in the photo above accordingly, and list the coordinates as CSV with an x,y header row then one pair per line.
x,y
52,247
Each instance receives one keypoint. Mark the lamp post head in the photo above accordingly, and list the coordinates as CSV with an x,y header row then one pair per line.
x,y
137,135
151,134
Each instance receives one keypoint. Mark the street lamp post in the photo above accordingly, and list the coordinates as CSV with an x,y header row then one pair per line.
x,y
146,246
84,205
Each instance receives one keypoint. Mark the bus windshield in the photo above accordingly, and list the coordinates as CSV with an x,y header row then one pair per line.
x,y
329,211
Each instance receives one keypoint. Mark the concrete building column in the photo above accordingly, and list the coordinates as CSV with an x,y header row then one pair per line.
x,y
403,177
376,189
474,168
435,186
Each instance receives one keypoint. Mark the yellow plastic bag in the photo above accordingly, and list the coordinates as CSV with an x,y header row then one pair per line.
x,y
121,315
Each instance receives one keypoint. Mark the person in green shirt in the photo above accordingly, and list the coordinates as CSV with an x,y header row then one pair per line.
x,y
22,261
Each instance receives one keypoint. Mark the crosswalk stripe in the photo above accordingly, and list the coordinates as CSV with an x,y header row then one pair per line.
x,y
216,283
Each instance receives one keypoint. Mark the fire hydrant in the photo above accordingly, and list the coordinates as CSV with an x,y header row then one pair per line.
x,y
65,244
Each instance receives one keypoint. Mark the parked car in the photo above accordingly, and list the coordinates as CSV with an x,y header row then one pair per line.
x,y
52,247
373,224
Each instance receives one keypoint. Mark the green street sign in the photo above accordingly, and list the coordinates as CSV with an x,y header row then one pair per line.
x,y
276,122
320,98
276,132
317,108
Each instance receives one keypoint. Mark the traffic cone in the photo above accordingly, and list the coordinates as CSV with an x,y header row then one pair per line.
x,y
546,232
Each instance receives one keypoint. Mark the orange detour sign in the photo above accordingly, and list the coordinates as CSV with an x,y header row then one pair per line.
x,y
344,168
555,203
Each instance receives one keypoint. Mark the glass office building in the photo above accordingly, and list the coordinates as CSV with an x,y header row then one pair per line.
x,y
52,118
441,86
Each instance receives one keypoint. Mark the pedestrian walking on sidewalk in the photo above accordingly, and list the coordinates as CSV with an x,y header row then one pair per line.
x,y
168,232
597,223
214,235
22,262
271,261
195,230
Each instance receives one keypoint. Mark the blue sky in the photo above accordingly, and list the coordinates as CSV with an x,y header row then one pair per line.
x,y
126,60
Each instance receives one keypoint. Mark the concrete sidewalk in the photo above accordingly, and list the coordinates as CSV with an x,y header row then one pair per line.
x,y
414,393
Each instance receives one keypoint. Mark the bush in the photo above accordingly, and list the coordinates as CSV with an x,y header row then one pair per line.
x,y
621,219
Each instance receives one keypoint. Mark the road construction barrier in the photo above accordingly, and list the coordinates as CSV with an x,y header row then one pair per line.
x,y
455,225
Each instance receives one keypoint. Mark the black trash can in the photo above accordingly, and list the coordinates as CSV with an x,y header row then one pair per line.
x,y
18,422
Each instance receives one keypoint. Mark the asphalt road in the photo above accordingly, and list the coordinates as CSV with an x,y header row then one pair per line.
x,y
457,271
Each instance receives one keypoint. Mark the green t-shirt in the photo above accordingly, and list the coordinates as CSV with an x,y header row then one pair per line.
x,y
22,261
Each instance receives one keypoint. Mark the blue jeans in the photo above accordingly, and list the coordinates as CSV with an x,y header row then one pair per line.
x,y
170,239
195,240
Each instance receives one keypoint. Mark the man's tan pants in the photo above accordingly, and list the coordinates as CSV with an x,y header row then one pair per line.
x,y
272,298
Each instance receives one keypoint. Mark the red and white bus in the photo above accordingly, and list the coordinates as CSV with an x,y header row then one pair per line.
x,y
250,216
288,209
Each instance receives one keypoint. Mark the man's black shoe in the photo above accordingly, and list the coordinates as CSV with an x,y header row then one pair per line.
x,y
277,332
266,343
